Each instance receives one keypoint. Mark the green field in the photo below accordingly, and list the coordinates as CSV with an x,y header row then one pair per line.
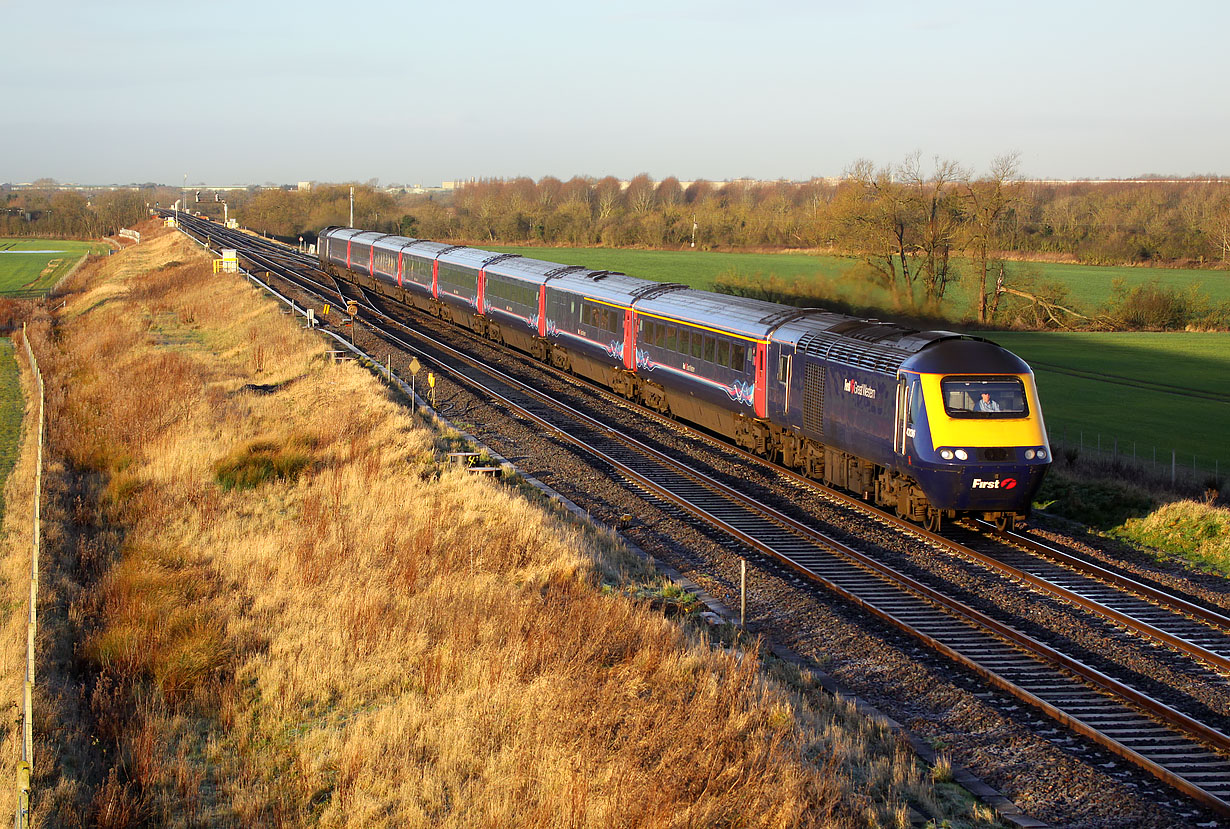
x,y
30,267
1089,285
11,409
697,269
1156,391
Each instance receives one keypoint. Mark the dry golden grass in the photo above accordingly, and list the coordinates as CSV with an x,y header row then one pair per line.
x,y
376,640
15,583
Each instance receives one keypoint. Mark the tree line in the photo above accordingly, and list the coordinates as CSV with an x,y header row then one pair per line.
x,y
70,214
917,227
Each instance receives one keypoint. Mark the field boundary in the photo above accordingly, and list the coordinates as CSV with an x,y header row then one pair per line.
x,y
26,764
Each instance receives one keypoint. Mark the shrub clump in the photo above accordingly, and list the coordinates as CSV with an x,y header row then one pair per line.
x,y
1101,504
250,465
1197,532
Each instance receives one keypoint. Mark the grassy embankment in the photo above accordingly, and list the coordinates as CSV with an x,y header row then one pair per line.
x,y
1195,532
34,273
267,602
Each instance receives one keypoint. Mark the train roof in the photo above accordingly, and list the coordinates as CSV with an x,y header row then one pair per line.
x,y
753,318
341,233
605,286
966,355
423,249
523,268
392,243
866,343
472,258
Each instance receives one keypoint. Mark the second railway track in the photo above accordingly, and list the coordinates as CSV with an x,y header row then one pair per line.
x,y
1181,749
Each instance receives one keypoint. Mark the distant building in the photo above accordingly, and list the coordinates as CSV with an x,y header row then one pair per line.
x,y
305,185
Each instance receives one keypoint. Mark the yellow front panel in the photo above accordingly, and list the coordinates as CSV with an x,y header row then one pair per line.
x,y
972,432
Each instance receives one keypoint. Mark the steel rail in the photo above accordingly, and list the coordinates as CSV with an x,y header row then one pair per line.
x,y
1040,650
1104,574
1218,660
1157,710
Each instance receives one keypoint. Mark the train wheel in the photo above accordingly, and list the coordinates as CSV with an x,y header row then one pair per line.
x,y
1005,522
932,522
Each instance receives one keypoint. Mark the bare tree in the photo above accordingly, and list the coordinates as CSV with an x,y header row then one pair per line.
x,y
670,192
987,203
1216,224
640,194
881,219
936,201
608,192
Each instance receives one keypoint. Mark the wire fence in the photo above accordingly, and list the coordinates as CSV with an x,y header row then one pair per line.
x,y
25,765
1160,465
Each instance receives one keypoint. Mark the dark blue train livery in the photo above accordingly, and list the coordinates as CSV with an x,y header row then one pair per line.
x,y
933,424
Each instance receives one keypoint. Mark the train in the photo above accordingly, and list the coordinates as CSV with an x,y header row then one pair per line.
x,y
934,425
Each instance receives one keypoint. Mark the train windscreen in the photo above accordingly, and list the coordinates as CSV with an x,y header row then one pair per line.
x,y
987,397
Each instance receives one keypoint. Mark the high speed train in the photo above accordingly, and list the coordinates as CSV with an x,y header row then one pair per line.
x,y
932,424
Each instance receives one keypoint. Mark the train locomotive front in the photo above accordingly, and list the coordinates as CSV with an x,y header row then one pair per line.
x,y
970,429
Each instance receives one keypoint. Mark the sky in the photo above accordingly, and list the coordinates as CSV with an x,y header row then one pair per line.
x,y
418,93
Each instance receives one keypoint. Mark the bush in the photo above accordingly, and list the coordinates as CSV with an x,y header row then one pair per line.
x,y
1101,504
1154,307
1197,532
262,460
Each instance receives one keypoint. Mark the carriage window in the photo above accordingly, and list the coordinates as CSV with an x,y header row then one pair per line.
x,y
739,357
698,344
709,349
672,338
659,335
685,341
783,369
984,397
723,353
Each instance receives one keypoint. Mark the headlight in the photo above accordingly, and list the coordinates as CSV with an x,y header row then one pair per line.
x,y
946,454
1041,454
1029,454
962,455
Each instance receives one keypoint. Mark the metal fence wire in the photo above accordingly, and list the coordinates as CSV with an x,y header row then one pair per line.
x,y
26,764
1160,464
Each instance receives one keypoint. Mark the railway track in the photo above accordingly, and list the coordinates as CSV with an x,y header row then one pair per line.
x,y
1184,751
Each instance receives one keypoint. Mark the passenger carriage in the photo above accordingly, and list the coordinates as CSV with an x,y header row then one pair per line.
x,y
589,323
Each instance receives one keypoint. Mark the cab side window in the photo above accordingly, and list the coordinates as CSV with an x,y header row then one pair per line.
x,y
916,402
